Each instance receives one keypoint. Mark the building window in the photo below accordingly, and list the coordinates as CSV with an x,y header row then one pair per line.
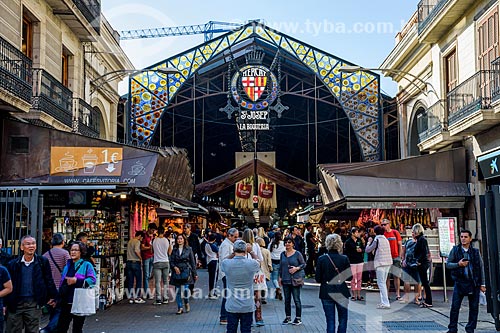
x,y
27,43
487,30
451,70
64,69
19,145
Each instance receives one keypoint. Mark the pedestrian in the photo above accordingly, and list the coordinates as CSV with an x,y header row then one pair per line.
x,y
32,288
162,249
276,248
194,243
239,272
262,234
382,263
467,271
354,249
310,250
4,257
291,278
147,259
409,264
225,250
212,258
298,240
183,267
396,243
259,278
332,269
421,254
266,266
5,289
77,273
58,256
83,237
134,270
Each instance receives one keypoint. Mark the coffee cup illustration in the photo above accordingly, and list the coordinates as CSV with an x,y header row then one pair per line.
x,y
89,163
67,163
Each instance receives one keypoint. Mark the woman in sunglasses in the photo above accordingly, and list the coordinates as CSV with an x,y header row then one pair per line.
x,y
291,279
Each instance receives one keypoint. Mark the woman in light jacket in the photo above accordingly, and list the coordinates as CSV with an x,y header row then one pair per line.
x,y
265,265
76,272
276,247
181,260
382,263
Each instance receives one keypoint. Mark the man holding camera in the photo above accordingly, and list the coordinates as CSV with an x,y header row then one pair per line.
x,y
467,270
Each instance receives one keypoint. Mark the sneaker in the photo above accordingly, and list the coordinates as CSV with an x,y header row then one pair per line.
x,y
131,301
259,323
165,301
212,297
157,302
287,321
139,301
297,322
383,306
151,297
223,321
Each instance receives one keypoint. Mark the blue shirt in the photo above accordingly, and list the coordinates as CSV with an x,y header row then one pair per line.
x,y
4,277
239,276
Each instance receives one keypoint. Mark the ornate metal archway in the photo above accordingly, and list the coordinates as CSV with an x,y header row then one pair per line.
x,y
358,93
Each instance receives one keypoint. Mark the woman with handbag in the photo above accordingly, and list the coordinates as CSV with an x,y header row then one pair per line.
x,y
183,266
332,269
259,278
291,279
77,273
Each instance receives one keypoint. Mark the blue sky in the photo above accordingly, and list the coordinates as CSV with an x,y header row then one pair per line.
x,y
360,31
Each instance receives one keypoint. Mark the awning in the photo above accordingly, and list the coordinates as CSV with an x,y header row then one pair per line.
x,y
170,203
430,181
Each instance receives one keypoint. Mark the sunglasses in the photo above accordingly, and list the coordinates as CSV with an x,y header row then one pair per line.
x,y
288,242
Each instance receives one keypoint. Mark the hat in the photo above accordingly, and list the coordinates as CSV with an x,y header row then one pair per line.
x,y
275,227
240,246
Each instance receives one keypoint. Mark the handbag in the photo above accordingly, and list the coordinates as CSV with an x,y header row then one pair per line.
x,y
183,276
297,281
84,301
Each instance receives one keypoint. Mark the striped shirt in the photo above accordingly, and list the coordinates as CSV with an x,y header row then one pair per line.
x,y
61,257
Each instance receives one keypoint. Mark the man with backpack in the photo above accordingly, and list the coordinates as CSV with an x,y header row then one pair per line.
x,y
410,272
58,257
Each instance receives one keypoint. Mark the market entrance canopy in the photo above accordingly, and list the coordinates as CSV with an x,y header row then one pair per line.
x,y
430,181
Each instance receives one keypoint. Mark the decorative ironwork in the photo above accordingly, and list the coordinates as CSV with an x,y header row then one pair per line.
x,y
470,96
358,93
52,97
88,119
431,121
495,82
427,11
91,10
15,71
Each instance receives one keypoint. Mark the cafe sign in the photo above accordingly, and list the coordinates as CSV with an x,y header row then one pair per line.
x,y
86,161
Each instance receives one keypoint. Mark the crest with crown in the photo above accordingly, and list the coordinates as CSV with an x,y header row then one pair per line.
x,y
254,55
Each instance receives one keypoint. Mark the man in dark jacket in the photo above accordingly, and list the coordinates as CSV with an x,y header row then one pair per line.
x,y
194,244
33,287
467,271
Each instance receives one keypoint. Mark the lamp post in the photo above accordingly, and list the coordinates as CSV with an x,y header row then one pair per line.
x,y
353,69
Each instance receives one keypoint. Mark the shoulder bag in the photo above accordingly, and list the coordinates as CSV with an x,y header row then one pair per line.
x,y
296,281
338,281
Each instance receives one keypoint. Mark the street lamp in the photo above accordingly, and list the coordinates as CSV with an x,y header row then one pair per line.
x,y
353,69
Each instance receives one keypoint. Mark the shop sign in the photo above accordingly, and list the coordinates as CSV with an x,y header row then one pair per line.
x,y
446,228
407,205
243,190
86,161
490,164
266,190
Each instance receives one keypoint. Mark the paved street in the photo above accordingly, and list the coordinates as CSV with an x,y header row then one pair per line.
x,y
204,316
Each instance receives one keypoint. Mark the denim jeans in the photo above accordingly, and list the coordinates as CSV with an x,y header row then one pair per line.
x,y
244,319
212,275
288,292
455,309
53,319
382,272
160,271
275,274
147,265
134,271
223,312
183,298
329,306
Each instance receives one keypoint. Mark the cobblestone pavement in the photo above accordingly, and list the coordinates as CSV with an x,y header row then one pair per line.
x,y
204,316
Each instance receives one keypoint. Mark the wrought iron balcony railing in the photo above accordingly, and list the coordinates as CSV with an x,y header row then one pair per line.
x,y
470,96
15,71
495,84
427,11
52,97
432,122
91,9
88,119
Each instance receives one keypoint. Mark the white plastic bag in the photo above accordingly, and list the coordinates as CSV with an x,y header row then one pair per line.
x,y
83,302
482,298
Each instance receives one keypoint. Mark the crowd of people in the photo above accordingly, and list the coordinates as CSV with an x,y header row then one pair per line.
x,y
254,266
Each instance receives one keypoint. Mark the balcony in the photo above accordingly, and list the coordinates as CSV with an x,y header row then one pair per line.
x,y
82,16
88,119
495,84
469,105
437,17
52,98
432,127
16,83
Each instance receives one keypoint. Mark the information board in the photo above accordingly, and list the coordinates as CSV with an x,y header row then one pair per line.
x,y
446,227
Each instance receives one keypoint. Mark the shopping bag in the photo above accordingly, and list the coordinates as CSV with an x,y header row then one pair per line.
x,y
482,298
259,281
83,302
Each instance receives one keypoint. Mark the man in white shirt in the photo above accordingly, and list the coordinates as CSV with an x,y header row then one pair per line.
x,y
225,250
162,248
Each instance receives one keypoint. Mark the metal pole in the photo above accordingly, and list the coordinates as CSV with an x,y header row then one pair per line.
x,y
444,280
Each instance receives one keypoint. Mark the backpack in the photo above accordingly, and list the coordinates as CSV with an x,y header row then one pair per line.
x,y
410,259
